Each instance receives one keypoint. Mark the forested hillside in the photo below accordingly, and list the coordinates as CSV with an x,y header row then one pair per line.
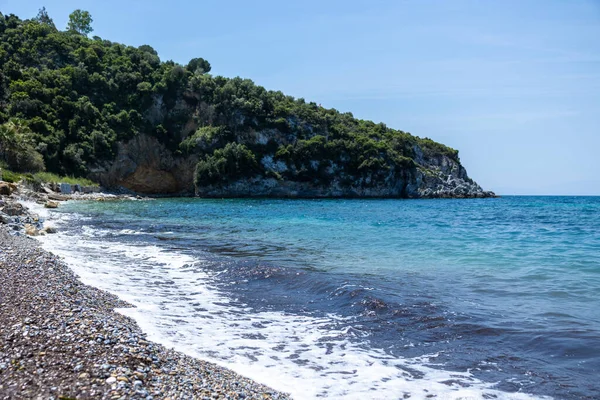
x,y
80,105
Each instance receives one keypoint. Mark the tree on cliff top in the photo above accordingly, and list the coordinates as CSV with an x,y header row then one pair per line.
x,y
81,22
196,64
44,18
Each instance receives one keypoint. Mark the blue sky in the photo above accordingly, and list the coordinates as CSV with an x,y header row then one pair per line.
x,y
513,85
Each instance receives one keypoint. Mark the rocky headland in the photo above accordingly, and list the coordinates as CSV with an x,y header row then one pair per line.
x,y
144,165
121,117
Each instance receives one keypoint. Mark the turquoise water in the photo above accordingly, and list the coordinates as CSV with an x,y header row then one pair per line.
x,y
505,290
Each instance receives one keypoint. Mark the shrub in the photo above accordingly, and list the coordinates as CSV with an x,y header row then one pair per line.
x,y
204,138
431,148
16,148
232,162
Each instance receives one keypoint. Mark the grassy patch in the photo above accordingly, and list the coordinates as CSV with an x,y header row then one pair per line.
x,y
9,176
44,177
50,177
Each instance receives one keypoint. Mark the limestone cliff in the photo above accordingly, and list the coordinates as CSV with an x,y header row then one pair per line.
x,y
440,177
144,165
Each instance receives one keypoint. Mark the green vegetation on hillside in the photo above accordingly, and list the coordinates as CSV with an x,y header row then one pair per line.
x,y
17,147
73,98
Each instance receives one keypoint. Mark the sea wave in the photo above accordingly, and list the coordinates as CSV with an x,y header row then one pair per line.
x,y
179,302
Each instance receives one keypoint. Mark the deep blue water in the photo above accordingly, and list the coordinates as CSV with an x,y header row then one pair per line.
x,y
505,290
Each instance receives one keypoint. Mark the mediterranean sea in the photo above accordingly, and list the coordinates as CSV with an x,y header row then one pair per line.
x,y
488,298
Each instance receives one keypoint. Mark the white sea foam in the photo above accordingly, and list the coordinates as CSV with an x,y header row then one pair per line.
x,y
38,209
179,306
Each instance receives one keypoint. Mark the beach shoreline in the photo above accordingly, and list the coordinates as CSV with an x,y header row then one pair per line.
x,y
62,339
186,299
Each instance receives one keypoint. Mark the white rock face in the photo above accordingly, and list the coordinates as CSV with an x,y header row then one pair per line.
x,y
270,164
439,177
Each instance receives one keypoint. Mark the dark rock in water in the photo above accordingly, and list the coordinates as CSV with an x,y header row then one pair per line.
x,y
5,219
6,189
371,303
13,209
49,229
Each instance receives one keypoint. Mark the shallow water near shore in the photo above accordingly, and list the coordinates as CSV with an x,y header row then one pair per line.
x,y
359,298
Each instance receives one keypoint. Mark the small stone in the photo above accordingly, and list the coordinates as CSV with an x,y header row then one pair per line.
x,y
31,230
111,380
51,204
84,375
49,229
122,379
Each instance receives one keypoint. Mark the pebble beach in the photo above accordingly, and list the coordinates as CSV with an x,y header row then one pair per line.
x,y
61,339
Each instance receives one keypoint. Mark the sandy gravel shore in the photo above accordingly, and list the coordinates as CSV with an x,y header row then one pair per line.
x,y
61,339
